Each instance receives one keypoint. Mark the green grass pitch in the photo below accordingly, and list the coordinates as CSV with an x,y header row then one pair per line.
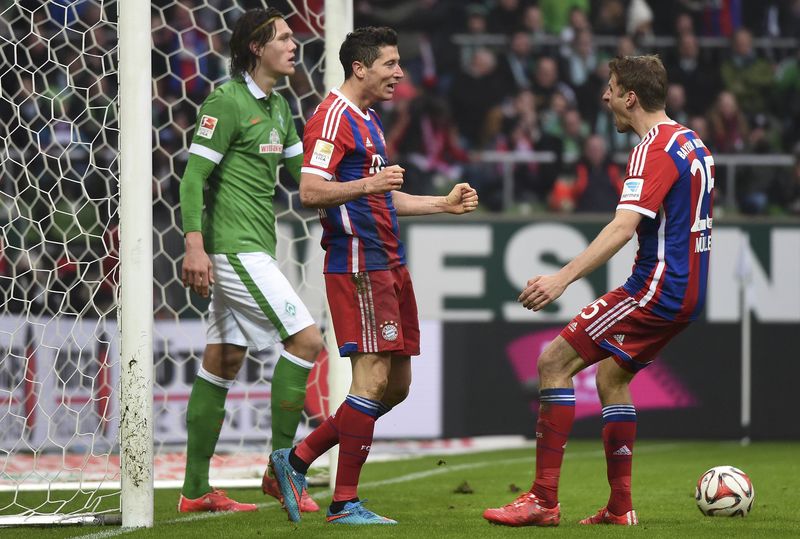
x,y
420,494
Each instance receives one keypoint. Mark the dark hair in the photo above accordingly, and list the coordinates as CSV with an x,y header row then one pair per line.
x,y
254,25
364,45
643,75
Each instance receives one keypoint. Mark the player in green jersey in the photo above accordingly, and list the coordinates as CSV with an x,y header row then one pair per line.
x,y
244,131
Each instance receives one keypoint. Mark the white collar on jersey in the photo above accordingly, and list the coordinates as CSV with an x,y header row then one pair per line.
x,y
352,105
257,92
668,122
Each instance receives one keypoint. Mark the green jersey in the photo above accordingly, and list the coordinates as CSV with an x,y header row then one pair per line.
x,y
246,133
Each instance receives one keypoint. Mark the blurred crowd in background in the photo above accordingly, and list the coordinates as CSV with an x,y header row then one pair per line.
x,y
505,94
488,82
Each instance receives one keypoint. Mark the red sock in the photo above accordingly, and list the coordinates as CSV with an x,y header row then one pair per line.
x,y
556,413
619,435
356,426
320,440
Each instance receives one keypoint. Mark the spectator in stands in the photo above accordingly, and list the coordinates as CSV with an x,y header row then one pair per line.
x,y
728,124
717,18
640,20
746,75
699,124
787,92
699,77
626,46
684,25
190,63
476,27
505,16
790,188
581,60
578,22
475,92
516,65
573,133
676,103
609,18
424,28
789,18
757,184
533,24
556,13
598,180
521,132
546,83
428,145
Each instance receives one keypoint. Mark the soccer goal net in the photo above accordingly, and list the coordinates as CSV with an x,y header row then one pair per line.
x,y
60,159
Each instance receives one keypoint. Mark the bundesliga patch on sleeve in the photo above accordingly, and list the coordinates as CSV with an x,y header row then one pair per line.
x,y
323,151
632,189
207,126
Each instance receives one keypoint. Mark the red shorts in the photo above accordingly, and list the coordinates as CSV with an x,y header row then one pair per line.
x,y
374,311
616,326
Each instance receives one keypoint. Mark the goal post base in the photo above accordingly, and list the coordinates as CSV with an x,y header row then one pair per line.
x,y
83,519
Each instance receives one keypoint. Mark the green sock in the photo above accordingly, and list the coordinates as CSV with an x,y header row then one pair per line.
x,y
204,416
288,400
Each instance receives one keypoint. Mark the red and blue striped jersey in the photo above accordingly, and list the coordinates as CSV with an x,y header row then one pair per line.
x,y
343,143
670,180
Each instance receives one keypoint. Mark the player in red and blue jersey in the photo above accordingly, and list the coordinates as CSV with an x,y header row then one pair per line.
x,y
347,176
666,200
347,144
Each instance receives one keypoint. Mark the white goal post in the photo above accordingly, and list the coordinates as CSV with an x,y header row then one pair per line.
x,y
136,266
95,376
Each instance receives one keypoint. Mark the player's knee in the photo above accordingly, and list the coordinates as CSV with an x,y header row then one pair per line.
x,y
375,387
395,395
306,345
231,363
549,367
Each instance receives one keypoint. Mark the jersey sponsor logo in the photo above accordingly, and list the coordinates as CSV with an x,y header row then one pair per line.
x,y
207,126
389,330
632,190
274,145
321,156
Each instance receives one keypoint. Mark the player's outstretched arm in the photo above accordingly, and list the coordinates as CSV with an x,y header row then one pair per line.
x,y
545,289
461,199
317,192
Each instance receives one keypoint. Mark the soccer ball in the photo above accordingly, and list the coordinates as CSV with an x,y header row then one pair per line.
x,y
724,491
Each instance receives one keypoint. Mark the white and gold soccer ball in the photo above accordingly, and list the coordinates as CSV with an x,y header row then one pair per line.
x,y
724,491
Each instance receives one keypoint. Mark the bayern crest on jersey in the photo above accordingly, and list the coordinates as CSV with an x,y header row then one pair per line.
x,y
389,330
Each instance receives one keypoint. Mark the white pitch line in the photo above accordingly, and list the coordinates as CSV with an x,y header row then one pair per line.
x,y
402,479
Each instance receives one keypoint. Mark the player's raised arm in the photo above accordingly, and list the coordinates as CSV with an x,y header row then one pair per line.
x,y
461,199
317,192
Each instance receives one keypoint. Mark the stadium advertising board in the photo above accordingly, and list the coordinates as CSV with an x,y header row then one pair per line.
x,y
59,381
474,272
491,343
